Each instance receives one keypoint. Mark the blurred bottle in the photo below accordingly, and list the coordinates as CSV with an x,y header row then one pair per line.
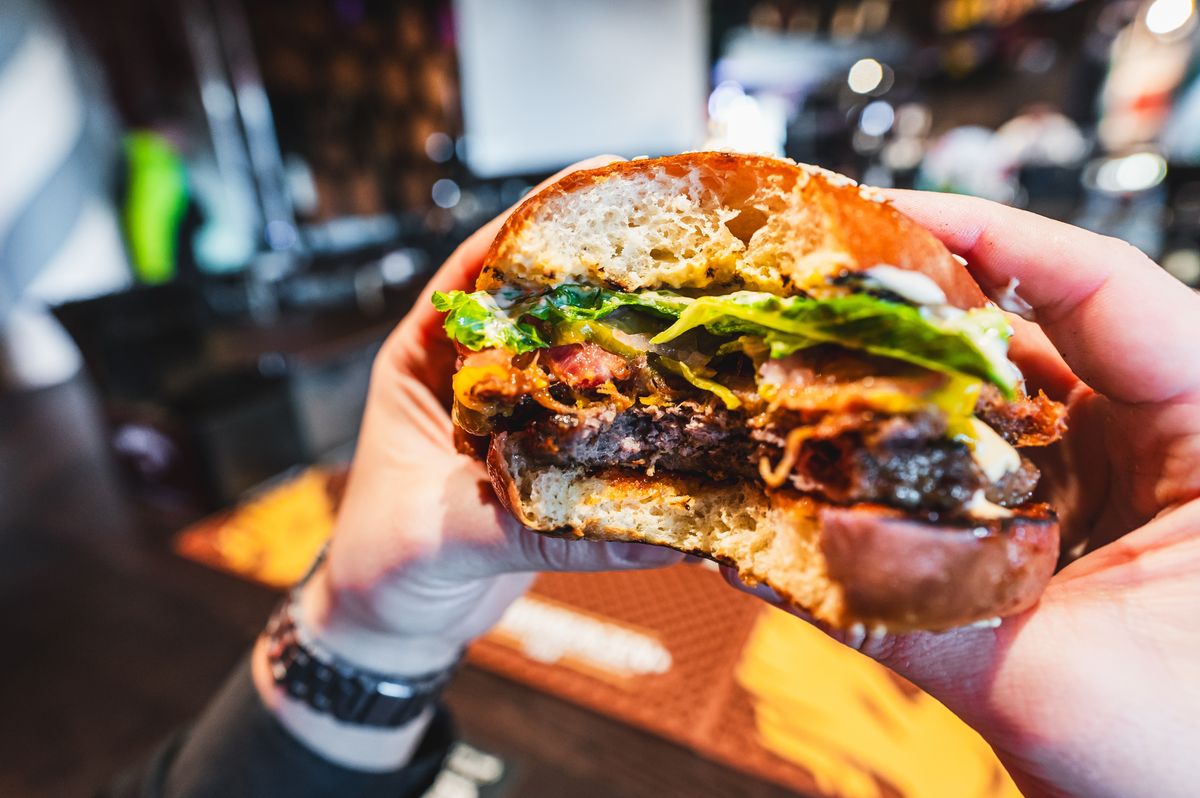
x,y
155,201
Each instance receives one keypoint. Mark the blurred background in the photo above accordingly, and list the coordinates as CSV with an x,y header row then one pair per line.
x,y
213,211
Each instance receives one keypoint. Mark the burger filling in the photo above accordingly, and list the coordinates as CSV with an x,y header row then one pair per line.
x,y
867,388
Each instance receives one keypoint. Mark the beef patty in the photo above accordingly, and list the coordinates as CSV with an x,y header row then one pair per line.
x,y
903,461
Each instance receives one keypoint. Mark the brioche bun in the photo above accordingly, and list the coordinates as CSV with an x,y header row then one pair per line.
x,y
712,221
717,222
843,565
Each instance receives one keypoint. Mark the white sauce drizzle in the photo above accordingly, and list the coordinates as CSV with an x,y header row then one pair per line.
x,y
1008,298
995,456
980,507
913,286
995,347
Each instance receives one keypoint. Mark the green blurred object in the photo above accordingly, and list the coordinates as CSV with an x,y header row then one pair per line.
x,y
154,205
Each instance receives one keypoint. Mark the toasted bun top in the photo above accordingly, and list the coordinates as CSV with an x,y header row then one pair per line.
x,y
712,220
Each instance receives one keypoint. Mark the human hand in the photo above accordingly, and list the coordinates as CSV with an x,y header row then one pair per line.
x,y
1096,691
423,557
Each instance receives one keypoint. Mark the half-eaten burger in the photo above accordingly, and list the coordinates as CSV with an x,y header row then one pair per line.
x,y
764,364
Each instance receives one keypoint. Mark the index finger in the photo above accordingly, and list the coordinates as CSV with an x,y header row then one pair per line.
x,y
1125,326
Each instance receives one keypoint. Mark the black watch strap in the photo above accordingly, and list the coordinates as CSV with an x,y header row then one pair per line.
x,y
337,688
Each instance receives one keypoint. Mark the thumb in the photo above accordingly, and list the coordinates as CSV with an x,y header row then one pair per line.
x,y
1123,324
980,673
533,551
955,666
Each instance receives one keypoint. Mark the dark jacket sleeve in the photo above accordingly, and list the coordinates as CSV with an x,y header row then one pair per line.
x,y
238,748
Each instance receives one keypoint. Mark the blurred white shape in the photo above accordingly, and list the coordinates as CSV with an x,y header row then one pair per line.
x,y
1184,264
479,766
281,234
88,262
149,450
439,147
1179,140
865,76
877,118
397,267
468,207
913,119
301,184
1038,56
445,193
795,65
741,122
218,99
35,351
970,160
549,632
903,154
1164,17
723,96
228,238
544,84
43,117
1129,173
1043,137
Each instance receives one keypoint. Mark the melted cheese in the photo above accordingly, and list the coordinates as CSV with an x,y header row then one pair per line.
x,y
466,378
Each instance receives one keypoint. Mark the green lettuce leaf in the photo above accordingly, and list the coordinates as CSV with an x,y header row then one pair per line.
x,y
586,303
972,342
478,322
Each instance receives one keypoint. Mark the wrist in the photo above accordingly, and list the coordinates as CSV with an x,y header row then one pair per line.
x,y
341,624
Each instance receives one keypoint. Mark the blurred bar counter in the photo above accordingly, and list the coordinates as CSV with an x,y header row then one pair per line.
x,y
119,642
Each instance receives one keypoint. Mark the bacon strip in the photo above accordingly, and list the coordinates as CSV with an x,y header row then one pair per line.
x,y
585,365
1025,421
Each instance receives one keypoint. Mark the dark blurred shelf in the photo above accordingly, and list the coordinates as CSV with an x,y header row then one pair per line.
x,y
202,405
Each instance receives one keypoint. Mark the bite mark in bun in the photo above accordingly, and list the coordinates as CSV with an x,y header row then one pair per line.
x,y
764,364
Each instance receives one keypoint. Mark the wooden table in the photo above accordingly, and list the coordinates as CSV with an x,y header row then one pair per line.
x,y
108,642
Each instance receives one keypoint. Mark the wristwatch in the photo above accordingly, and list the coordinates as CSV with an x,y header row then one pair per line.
x,y
330,685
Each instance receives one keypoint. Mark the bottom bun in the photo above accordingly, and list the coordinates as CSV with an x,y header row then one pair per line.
x,y
861,564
